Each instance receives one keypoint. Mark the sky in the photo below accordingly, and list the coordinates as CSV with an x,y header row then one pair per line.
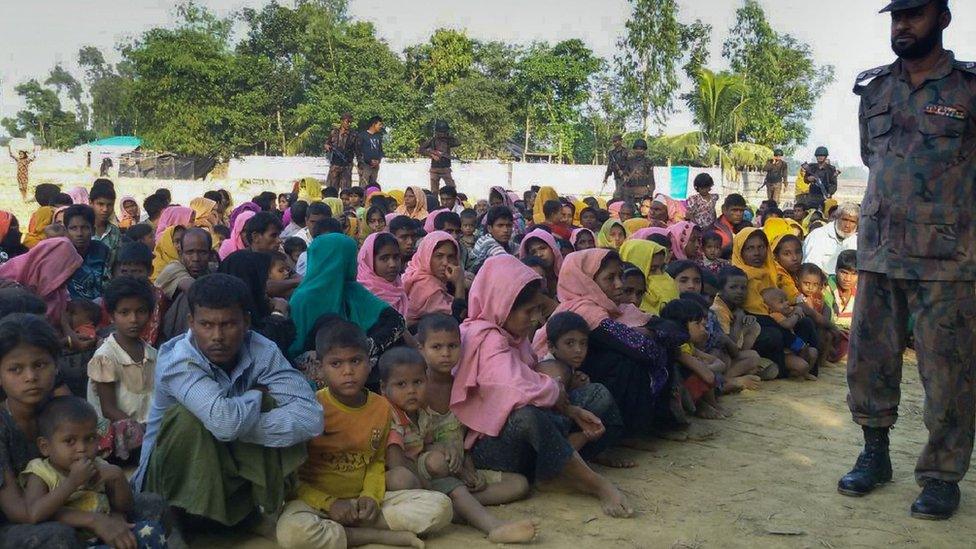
x,y
848,34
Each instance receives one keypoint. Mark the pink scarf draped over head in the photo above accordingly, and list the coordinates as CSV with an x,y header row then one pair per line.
x,y
431,217
550,241
126,220
495,375
236,240
576,234
579,293
44,270
425,292
645,233
173,216
390,292
680,234
79,195
614,209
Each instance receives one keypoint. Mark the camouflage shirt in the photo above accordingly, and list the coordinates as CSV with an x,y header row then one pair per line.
x,y
639,172
919,143
343,146
442,145
616,162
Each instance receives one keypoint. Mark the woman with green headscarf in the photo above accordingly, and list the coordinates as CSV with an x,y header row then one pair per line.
x,y
611,235
330,288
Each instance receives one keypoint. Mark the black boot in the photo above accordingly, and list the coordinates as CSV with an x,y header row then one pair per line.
x,y
873,466
938,501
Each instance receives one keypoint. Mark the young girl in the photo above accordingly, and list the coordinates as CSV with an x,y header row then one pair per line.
x,y
812,282
434,281
635,285
687,276
582,239
541,244
840,298
651,257
430,446
612,235
700,381
65,479
121,371
712,251
787,316
701,205
378,270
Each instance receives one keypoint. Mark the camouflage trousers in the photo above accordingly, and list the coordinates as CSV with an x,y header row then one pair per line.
x,y
945,344
340,177
436,174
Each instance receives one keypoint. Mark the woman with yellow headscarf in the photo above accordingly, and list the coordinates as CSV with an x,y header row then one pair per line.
x,y
650,257
165,251
636,224
309,190
545,194
206,212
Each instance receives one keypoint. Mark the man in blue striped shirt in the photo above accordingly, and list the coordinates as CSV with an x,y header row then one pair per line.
x,y
229,416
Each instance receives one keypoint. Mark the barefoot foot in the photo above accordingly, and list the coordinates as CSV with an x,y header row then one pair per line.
x,y
399,538
521,531
707,411
608,458
614,503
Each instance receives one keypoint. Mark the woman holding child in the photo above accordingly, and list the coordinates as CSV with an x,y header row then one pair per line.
x,y
520,420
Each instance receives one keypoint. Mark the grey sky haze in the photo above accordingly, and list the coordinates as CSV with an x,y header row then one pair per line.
x,y
849,34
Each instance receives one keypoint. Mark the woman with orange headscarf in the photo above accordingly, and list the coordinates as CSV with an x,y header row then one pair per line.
x,y
414,204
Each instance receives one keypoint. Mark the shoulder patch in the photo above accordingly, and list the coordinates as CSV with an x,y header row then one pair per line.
x,y
967,66
863,78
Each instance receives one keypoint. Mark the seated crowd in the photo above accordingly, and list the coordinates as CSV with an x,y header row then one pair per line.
x,y
335,368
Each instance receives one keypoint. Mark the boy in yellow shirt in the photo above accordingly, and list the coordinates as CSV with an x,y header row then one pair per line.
x,y
342,499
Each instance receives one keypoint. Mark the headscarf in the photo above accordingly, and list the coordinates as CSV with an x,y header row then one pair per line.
x,y
681,233
576,234
164,252
126,220
661,288
203,208
370,191
544,195
775,233
396,194
578,206
45,271
431,218
425,292
775,226
636,224
644,234
335,206
39,221
5,219
828,204
309,190
676,208
390,292
245,207
419,211
252,268
236,240
603,237
614,209
760,278
496,372
172,217
330,287
550,241
79,195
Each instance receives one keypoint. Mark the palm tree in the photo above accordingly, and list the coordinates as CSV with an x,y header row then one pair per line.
x,y
717,104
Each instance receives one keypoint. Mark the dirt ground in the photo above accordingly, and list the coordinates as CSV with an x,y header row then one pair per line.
x,y
766,479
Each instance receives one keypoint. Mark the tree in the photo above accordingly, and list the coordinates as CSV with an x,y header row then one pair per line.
x,y
717,104
651,51
445,59
477,110
65,83
44,117
110,88
783,81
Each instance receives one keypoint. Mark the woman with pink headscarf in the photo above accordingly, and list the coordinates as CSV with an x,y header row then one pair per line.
x,y
174,216
519,420
236,240
44,271
540,243
79,195
623,355
434,280
685,240
378,270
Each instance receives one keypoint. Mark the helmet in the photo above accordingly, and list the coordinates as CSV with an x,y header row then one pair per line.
x,y
778,152
821,151
441,126
640,144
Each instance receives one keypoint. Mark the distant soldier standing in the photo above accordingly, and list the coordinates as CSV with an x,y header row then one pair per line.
x,y
638,174
775,176
616,162
822,178
341,147
438,148
917,255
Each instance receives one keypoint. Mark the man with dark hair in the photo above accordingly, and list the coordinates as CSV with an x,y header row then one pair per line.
x,y
732,219
497,240
153,205
448,197
299,209
316,211
438,148
915,245
196,249
370,151
102,199
341,146
87,280
616,164
775,180
229,415
638,174
262,233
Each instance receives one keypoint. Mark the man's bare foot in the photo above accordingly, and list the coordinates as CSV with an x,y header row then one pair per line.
x,y
399,538
614,503
740,383
707,411
608,458
520,531
674,434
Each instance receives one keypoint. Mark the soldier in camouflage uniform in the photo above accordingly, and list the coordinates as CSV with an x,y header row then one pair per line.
x,y
341,147
638,174
438,149
616,161
917,255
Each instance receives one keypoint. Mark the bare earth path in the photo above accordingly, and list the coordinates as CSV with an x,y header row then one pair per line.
x,y
766,479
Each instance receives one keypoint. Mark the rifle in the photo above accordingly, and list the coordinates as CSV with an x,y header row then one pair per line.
x,y
342,156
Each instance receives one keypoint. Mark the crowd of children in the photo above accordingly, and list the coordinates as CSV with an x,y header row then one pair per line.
x,y
461,351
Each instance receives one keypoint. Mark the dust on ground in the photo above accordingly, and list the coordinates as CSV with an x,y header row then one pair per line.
x,y
766,479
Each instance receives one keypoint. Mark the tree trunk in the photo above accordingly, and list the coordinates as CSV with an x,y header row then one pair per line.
x,y
525,151
281,132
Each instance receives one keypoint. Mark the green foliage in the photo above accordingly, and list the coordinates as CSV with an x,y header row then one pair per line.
x,y
717,104
476,108
784,82
44,118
